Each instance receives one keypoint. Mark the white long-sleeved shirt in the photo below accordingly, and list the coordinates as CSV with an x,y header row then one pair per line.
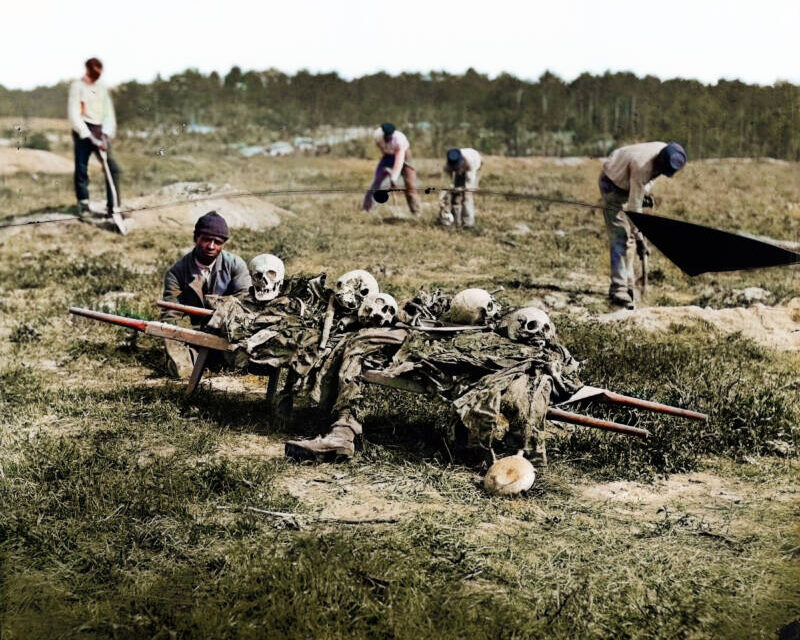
x,y
470,164
631,169
90,103
397,146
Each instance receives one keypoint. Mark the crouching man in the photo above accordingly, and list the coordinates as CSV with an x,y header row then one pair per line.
x,y
205,271
458,204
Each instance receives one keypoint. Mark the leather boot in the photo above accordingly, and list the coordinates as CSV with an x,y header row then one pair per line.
x,y
338,443
179,359
622,298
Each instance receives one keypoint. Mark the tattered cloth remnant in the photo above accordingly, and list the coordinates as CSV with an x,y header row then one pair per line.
x,y
500,389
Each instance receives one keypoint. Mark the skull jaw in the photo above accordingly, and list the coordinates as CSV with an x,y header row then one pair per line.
x,y
265,293
380,321
347,301
537,341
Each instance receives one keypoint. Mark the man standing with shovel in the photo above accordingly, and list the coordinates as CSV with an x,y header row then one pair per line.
x,y
91,115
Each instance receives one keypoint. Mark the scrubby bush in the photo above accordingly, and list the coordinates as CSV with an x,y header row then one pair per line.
x,y
36,140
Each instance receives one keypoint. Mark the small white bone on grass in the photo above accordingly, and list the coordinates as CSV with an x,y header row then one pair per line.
x,y
510,475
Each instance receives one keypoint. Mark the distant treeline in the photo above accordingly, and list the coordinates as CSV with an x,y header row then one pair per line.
x,y
504,115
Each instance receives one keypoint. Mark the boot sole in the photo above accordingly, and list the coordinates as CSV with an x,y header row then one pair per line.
x,y
296,452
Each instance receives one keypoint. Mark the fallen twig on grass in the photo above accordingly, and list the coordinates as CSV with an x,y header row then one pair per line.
x,y
294,517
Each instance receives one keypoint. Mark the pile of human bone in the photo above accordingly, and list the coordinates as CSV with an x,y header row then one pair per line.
x,y
501,372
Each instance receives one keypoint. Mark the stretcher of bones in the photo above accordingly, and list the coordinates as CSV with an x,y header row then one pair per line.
x,y
205,342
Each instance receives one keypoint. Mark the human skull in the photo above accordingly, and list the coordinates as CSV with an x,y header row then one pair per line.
x,y
473,306
529,324
353,287
510,476
378,310
267,273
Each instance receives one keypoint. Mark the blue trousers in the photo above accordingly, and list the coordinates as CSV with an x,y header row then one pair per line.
x,y
381,181
83,151
621,240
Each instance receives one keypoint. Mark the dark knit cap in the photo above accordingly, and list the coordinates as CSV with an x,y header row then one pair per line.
x,y
212,224
388,128
454,157
672,157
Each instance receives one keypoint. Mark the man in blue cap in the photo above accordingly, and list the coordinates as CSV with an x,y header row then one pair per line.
x,y
206,270
395,161
625,185
458,205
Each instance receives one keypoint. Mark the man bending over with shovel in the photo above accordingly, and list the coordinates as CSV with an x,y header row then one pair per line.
x,y
91,115
625,186
395,161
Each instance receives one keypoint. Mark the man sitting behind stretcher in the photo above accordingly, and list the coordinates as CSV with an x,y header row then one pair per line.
x,y
206,270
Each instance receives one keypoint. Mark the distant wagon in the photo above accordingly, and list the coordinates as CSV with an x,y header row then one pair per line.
x,y
280,149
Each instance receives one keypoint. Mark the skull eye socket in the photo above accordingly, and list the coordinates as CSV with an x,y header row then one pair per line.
x,y
532,325
489,306
364,291
340,284
272,275
388,309
368,310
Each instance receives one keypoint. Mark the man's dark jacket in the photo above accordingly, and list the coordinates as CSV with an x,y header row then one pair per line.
x,y
183,283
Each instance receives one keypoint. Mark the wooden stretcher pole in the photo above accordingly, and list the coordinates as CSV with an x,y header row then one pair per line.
x,y
560,415
185,308
159,329
617,398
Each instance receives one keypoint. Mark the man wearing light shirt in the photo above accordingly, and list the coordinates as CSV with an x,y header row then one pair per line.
x,y
395,161
463,165
94,125
625,184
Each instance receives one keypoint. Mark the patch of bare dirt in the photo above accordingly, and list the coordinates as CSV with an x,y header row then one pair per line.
x,y
60,125
251,446
701,486
13,160
775,327
151,454
713,503
334,495
182,203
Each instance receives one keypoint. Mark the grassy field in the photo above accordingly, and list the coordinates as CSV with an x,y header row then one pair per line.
x,y
129,512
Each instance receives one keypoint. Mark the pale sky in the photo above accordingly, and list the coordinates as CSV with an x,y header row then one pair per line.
x,y
755,41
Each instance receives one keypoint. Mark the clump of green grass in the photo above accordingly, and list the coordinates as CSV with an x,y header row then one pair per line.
x,y
94,543
750,394
25,332
87,275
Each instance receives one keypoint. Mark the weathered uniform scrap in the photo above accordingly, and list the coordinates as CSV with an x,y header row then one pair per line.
x,y
500,389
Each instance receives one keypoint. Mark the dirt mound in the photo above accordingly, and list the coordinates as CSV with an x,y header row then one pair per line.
x,y
13,160
181,203
775,327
